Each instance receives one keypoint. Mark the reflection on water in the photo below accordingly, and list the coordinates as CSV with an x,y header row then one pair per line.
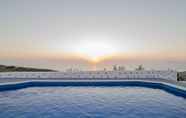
x,y
90,102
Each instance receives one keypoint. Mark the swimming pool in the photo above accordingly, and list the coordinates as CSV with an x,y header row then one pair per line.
x,y
91,102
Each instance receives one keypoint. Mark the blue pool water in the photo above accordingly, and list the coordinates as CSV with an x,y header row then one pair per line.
x,y
91,102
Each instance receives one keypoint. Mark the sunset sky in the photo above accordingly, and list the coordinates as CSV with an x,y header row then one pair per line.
x,y
89,34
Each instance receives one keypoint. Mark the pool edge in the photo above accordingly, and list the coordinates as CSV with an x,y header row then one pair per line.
x,y
169,87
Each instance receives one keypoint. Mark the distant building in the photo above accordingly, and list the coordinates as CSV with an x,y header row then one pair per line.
x,y
121,68
140,67
115,68
118,68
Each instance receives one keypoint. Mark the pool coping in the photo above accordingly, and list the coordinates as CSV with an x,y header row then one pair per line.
x,y
97,81
169,87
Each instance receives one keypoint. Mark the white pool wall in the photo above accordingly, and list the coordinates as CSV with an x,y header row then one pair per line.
x,y
145,74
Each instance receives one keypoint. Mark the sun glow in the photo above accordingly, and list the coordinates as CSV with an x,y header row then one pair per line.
x,y
95,50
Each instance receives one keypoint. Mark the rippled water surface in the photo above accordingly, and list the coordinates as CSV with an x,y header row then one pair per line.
x,y
91,102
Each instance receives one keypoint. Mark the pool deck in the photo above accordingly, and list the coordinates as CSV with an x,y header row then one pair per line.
x,y
10,80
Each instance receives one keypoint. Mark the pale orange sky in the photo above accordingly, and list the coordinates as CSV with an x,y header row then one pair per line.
x,y
88,33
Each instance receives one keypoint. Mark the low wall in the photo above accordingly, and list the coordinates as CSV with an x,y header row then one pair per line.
x,y
169,75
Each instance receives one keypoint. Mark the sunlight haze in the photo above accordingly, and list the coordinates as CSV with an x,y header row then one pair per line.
x,y
61,34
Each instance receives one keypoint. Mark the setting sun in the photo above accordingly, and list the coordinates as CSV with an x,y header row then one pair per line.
x,y
95,50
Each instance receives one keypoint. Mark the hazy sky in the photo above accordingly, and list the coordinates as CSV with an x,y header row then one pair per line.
x,y
60,34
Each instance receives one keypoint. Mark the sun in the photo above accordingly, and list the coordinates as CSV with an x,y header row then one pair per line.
x,y
95,50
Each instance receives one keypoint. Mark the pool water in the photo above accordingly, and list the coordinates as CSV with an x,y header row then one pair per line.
x,y
91,102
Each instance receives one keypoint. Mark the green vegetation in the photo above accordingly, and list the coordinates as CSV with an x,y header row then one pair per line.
x,y
181,76
4,68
